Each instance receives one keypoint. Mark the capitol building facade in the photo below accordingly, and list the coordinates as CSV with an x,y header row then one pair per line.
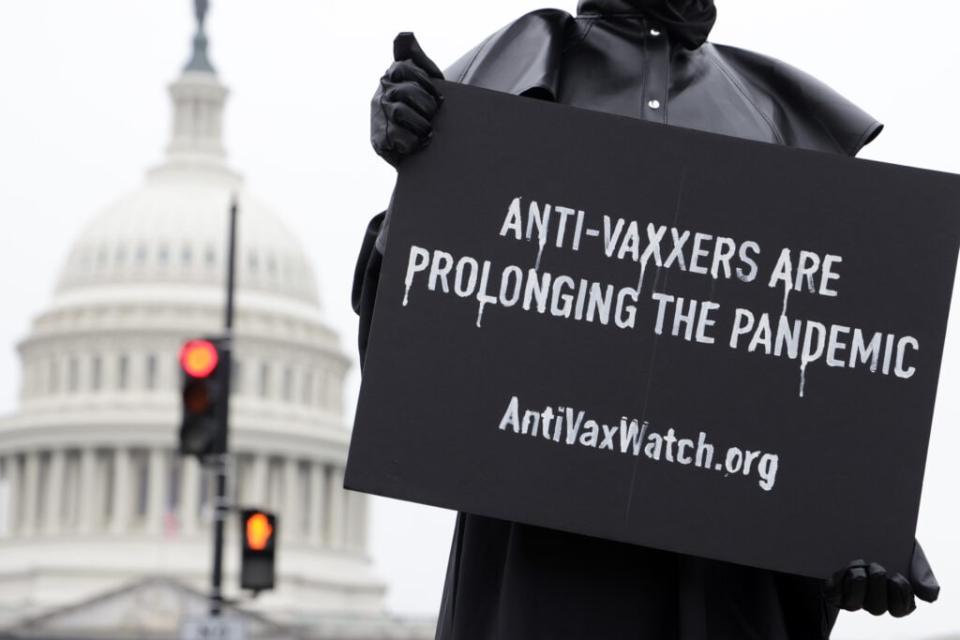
x,y
104,527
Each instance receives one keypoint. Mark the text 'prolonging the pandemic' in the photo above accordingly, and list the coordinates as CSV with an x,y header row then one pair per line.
x,y
654,248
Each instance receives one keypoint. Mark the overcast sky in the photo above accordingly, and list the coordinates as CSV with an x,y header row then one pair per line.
x,y
83,111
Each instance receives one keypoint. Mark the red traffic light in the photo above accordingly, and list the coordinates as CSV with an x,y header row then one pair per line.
x,y
199,358
258,531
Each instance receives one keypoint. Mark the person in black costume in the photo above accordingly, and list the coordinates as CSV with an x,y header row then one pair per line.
x,y
645,59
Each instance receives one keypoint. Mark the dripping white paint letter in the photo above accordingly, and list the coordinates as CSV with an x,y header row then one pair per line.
x,y
419,261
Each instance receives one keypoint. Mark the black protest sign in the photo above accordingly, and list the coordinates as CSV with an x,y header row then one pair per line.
x,y
686,341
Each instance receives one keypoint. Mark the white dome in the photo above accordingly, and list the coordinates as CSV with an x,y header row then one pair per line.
x,y
173,229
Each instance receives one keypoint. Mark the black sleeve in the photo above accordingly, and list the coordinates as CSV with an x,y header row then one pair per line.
x,y
365,278
801,590
921,576
804,605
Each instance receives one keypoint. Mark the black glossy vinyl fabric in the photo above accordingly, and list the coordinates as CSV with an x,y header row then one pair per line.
x,y
645,59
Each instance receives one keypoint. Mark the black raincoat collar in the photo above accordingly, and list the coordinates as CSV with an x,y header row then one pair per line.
x,y
687,21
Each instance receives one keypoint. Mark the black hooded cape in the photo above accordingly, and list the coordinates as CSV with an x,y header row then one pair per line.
x,y
508,581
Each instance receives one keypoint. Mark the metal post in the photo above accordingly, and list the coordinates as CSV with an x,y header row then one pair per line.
x,y
219,464
231,267
219,514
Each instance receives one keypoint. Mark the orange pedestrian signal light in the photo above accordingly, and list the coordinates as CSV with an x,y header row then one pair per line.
x,y
259,534
258,531
199,358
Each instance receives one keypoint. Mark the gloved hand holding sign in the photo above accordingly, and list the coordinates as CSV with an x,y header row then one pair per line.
x,y
868,586
405,103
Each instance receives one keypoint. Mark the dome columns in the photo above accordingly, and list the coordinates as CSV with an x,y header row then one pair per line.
x,y
87,504
28,509
189,496
120,503
133,492
198,100
336,526
53,495
318,504
291,505
12,476
357,517
158,486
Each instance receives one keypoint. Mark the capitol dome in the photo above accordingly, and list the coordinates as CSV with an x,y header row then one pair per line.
x,y
163,234
93,495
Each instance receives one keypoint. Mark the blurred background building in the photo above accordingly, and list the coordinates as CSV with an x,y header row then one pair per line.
x,y
104,528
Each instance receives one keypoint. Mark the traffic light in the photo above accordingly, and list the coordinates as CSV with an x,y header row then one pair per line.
x,y
205,369
259,534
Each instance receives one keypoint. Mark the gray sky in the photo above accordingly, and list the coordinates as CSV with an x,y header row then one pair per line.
x,y
84,112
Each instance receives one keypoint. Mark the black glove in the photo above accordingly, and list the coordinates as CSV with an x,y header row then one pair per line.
x,y
404,105
867,586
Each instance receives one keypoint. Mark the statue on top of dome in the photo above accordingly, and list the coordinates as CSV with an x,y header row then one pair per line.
x,y
200,8
199,61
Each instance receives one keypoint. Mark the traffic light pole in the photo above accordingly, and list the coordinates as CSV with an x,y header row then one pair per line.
x,y
221,505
